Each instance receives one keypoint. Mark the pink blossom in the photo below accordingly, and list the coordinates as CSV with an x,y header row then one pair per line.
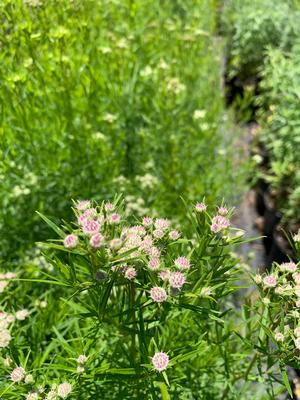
x,y
153,263
279,337
297,331
109,206
83,205
138,230
5,338
147,243
17,374
219,223
200,207
298,303
182,263
290,267
162,223
165,275
64,389
158,233
22,314
270,281
90,227
115,218
116,243
147,221
96,240
297,343
222,211
177,280
160,361
130,273
158,294
174,235
296,277
71,241
88,213
82,359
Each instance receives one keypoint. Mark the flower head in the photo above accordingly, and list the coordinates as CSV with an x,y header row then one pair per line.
x,y
270,281
64,389
279,337
96,240
165,275
5,338
71,241
90,227
82,359
158,294
153,263
174,235
177,280
83,205
22,314
222,211
219,223
17,374
182,263
200,207
160,361
147,221
130,273
162,223
158,233
114,218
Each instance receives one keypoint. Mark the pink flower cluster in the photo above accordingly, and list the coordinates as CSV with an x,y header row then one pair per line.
x,y
219,223
160,361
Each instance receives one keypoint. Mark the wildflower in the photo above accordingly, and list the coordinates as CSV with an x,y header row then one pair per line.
x,y
52,395
96,240
165,275
153,263
158,294
130,273
70,241
154,252
270,281
162,223
222,211
174,235
206,291
200,207
266,301
90,227
83,205
182,263
109,206
177,280
43,304
219,223
82,359
279,290
160,361
80,369
17,374
289,267
298,303
279,337
88,213
257,279
64,389
115,218
5,338
29,379
297,343
147,221
296,277
297,331
116,243
22,314
158,233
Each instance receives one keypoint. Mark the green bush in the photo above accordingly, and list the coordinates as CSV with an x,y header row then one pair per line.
x,y
105,96
280,131
252,26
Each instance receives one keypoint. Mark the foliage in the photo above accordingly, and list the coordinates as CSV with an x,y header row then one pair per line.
x,y
254,25
113,317
100,97
280,132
